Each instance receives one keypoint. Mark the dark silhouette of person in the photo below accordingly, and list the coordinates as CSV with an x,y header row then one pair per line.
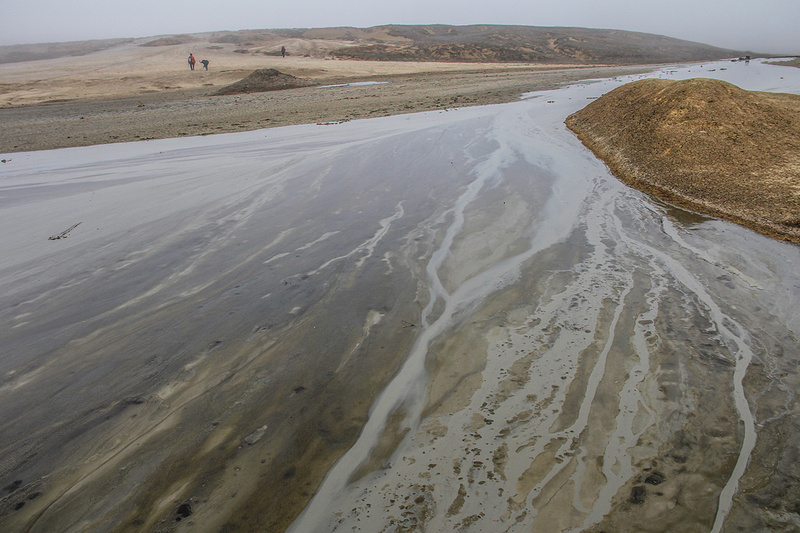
x,y
283,51
205,63
191,62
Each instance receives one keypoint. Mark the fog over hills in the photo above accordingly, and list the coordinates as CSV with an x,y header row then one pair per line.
x,y
475,43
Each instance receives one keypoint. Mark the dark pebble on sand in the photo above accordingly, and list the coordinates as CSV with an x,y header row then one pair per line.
x,y
184,511
655,478
637,495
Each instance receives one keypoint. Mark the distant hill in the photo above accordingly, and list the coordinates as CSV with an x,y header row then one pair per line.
x,y
19,53
475,43
527,44
703,144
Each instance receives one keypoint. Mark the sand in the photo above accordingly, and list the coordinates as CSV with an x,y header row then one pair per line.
x,y
136,93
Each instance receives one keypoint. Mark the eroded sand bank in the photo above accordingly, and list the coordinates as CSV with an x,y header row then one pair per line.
x,y
509,338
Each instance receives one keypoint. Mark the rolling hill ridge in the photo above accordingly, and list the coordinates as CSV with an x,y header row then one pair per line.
x,y
475,43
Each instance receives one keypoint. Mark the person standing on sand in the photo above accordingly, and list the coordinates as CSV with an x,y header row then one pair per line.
x,y
283,51
191,61
205,63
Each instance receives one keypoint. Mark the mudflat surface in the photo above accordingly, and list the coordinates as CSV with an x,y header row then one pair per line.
x,y
440,321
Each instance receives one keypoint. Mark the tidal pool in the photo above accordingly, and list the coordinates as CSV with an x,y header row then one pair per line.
x,y
454,320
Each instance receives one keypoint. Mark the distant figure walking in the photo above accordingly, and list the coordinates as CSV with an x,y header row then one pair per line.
x,y
283,51
191,62
205,63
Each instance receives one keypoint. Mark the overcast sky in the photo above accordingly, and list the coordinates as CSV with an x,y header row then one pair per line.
x,y
759,25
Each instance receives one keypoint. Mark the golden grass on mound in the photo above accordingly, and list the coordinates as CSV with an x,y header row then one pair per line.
x,y
703,144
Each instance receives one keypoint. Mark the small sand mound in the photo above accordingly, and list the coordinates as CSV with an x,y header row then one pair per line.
x,y
703,144
262,80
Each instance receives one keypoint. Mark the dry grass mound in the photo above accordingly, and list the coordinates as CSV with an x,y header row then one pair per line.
x,y
262,80
703,144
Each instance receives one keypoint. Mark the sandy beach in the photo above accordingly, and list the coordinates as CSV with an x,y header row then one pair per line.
x,y
140,93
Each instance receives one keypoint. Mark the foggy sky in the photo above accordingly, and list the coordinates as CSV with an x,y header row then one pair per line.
x,y
766,26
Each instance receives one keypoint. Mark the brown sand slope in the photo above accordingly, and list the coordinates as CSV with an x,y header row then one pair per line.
x,y
706,145
500,43
17,53
263,80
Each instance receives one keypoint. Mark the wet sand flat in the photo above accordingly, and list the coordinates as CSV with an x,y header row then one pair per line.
x,y
456,319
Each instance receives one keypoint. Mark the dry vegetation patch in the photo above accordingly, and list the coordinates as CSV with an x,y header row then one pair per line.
x,y
703,144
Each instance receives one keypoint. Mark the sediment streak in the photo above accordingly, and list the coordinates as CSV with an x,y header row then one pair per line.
x,y
512,459
407,389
